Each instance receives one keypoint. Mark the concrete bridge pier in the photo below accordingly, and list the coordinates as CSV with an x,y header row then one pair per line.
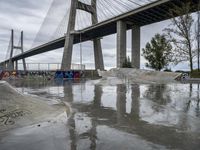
x,y
16,65
10,65
122,48
136,47
5,66
98,56
1,67
121,43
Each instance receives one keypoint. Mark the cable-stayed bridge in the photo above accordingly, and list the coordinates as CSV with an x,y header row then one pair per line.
x,y
85,20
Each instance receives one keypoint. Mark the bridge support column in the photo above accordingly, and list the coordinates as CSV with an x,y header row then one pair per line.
x,y
121,43
136,47
1,66
98,56
10,65
5,66
16,65
69,39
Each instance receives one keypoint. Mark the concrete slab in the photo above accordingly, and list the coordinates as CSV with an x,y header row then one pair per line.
x,y
28,122
17,110
122,75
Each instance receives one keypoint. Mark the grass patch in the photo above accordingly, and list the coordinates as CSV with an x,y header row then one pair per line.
x,y
195,74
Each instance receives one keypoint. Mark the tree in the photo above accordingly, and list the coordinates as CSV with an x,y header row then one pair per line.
x,y
158,52
127,63
180,34
198,36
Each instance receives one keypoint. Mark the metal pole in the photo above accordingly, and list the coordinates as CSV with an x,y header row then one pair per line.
x,y
28,66
22,49
81,60
38,66
198,40
57,66
48,67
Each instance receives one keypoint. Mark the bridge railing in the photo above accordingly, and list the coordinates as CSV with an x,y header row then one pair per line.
x,y
48,66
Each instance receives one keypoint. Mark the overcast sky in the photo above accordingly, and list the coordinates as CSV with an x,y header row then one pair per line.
x,y
28,15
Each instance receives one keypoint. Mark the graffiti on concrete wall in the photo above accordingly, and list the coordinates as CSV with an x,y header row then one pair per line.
x,y
56,75
8,74
23,74
69,74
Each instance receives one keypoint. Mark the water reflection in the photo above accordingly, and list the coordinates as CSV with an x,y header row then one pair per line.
x,y
68,92
160,116
189,100
198,100
158,94
121,104
135,106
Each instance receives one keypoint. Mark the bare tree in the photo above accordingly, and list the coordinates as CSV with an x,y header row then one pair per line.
x,y
198,36
180,33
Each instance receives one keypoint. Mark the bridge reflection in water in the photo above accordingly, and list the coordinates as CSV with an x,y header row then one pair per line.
x,y
128,117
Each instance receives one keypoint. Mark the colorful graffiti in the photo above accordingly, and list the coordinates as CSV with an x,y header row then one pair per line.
x,y
23,74
35,74
69,74
8,74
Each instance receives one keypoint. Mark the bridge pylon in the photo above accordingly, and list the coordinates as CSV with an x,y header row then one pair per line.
x,y
10,65
69,39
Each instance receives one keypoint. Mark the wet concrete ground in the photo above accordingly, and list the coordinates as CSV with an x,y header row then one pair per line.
x,y
121,117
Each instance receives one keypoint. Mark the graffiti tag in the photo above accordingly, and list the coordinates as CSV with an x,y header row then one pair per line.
x,y
8,118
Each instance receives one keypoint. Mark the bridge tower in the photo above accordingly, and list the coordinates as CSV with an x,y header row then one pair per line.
x,y
69,39
11,65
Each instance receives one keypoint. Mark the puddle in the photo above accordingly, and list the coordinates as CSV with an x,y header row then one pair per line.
x,y
139,116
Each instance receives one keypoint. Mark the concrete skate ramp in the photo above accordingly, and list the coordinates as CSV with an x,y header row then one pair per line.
x,y
17,110
140,76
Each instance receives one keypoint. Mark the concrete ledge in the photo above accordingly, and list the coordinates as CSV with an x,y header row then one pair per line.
x,y
18,110
139,76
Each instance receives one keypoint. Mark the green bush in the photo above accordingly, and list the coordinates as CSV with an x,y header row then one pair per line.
x,y
167,70
127,63
195,74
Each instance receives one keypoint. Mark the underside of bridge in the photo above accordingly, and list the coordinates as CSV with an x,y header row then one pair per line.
x,y
151,13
